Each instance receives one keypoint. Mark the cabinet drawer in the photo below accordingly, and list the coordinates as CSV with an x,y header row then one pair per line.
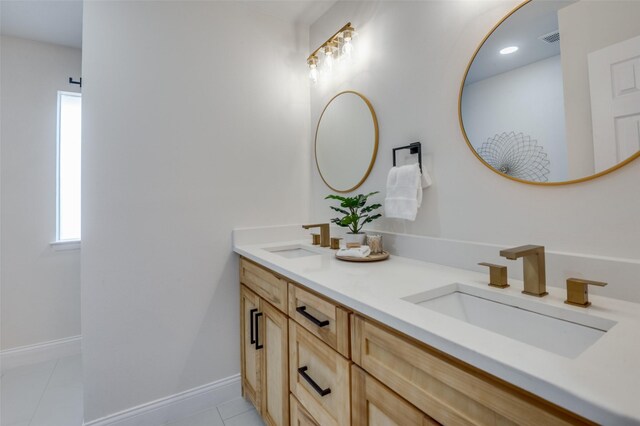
x,y
318,378
375,404
300,416
448,390
264,283
325,320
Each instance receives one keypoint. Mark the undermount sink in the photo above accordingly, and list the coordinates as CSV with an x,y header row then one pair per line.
x,y
292,251
554,329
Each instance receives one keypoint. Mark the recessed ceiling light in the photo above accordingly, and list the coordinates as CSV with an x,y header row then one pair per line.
x,y
508,50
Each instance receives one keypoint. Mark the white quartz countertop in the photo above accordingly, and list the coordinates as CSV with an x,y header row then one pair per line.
x,y
602,383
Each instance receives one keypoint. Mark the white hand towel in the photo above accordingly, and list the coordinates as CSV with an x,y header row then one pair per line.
x,y
426,179
404,192
362,251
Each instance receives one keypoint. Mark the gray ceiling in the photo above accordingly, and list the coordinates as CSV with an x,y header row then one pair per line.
x,y
521,29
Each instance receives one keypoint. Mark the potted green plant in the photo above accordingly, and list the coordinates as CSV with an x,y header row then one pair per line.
x,y
355,214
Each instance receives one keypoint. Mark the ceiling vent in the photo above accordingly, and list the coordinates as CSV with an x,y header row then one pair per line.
x,y
552,37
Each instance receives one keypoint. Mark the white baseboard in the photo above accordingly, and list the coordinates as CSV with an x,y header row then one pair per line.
x,y
174,407
40,352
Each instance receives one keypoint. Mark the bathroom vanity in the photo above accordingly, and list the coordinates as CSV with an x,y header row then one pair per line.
x,y
409,342
412,343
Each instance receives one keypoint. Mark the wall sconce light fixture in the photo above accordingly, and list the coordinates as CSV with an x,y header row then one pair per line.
x,y
337,48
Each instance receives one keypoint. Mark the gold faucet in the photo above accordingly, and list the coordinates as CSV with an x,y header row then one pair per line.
x,y
325,237
577,293
535,281
497,275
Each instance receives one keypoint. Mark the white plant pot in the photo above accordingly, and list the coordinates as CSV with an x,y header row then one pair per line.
x,y
360,238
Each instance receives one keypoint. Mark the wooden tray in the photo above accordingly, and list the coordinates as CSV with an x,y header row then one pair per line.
x,y
371,258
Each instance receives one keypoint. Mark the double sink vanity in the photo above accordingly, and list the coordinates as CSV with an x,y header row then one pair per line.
x,y
410,342
405,342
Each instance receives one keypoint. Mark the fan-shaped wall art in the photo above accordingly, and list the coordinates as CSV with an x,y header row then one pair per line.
x,y
517,155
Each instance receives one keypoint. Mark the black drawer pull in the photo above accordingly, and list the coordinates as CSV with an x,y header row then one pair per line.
x,y
258,345
303,311
252,332
303,372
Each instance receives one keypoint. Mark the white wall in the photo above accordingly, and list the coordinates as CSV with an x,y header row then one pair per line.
x,y
412,59
40,287
587,26
526,100
195,121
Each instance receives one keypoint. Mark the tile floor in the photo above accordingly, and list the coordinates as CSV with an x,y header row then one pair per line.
x,y
44,394
237,412
50,394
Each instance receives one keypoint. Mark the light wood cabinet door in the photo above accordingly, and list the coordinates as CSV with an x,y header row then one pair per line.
x,y
265,357
451,392
273,336
323,318
264,283
373,404
249,355
319,378
300,416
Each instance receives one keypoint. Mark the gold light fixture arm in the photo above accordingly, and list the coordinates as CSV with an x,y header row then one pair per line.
x,y
346,27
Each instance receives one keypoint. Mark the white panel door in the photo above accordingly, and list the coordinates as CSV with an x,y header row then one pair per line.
x,y
614,77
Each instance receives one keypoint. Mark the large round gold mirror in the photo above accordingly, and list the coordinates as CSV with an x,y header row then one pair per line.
x,y
346,141
552,95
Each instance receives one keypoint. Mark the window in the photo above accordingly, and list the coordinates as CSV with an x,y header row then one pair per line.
x,y
69,165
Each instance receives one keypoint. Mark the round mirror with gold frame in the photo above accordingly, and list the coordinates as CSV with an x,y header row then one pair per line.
x,y
549,98
346,142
